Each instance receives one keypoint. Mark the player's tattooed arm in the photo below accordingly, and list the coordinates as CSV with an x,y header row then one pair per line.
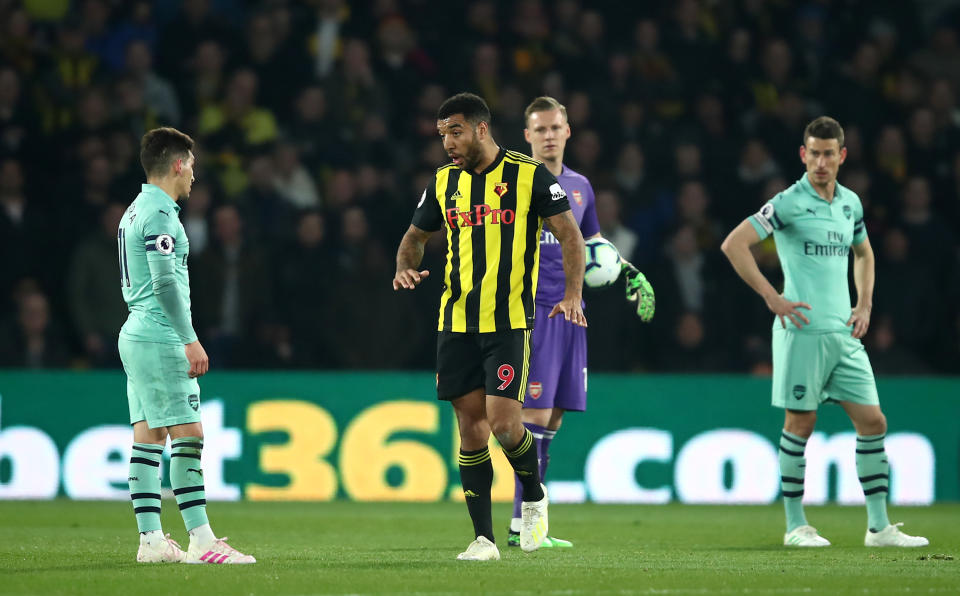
x,y
565,228
409,256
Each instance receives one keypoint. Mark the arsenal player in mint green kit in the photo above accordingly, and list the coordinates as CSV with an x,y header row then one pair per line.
x,y
162,357
817,354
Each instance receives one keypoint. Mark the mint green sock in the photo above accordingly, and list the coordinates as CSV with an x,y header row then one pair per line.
x,y
792,467
186,478
144,481
874,472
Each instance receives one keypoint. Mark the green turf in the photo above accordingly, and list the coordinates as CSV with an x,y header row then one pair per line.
x,y
67,547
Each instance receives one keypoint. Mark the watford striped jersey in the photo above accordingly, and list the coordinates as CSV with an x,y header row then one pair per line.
x,y
493,221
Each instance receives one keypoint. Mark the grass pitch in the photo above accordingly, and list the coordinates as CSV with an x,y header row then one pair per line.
x,y
65,547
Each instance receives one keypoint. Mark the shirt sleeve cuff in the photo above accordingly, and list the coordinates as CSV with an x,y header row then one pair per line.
x,y
761,231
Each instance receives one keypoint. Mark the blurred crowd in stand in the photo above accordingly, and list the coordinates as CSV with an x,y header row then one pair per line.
x,y
316,134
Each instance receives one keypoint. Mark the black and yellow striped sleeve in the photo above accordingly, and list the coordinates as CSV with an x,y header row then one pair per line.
x,y
428,214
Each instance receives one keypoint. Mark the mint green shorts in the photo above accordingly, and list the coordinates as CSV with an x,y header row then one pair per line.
x,y
811,368
159,389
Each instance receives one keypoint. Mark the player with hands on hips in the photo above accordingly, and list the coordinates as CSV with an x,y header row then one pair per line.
x,y
817,354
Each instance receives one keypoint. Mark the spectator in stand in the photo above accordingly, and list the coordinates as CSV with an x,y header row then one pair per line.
x,y
917,311
611,225
195,216
927,234
303,278
18,123
354,90
203,79
280,69
691,275
925,151
21,233
291,179
233,300
401,66
32,340
341,190
98,308
315,131
361,307
238,121
688,349
889,358
159,95
630,177
587,151
69,70
193,25
19,46
270,215
756,166
676,104
692,208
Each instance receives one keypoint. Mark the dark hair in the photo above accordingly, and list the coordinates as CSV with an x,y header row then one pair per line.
x,y
473,108
160,146
308,211
824,127
544,104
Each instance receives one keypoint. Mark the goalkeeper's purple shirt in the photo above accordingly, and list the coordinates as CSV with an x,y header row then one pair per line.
x,y
551,280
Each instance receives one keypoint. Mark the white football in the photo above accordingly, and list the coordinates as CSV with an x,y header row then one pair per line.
x,y
603,263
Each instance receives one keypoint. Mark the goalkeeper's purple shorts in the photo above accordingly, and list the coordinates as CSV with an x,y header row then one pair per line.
x,y
558,364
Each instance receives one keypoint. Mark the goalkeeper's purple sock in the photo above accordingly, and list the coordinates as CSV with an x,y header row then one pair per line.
x,y
541,438
543,448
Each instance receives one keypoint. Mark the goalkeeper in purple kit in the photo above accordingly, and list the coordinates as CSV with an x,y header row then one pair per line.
x,y
558,364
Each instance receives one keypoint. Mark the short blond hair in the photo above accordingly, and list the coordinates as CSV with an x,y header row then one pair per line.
x,y
544,104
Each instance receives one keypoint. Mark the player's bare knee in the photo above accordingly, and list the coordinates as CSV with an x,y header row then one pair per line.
x,y
556,419
144,434
474,433
800,423
874,425
536,416
193,430
507,431
469,421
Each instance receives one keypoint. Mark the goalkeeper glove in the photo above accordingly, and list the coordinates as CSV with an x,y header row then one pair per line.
x,y
640,291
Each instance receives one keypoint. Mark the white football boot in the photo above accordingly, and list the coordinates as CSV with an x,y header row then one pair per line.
x,y
804,536
219,553
480,549
892,536
159,550
533,524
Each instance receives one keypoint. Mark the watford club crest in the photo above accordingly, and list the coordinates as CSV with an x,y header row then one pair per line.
x,y
501,189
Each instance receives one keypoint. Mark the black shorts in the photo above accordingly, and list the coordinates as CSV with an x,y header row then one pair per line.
x,y
498,361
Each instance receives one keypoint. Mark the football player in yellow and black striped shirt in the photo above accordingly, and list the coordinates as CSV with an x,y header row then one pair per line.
x,y
493,204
